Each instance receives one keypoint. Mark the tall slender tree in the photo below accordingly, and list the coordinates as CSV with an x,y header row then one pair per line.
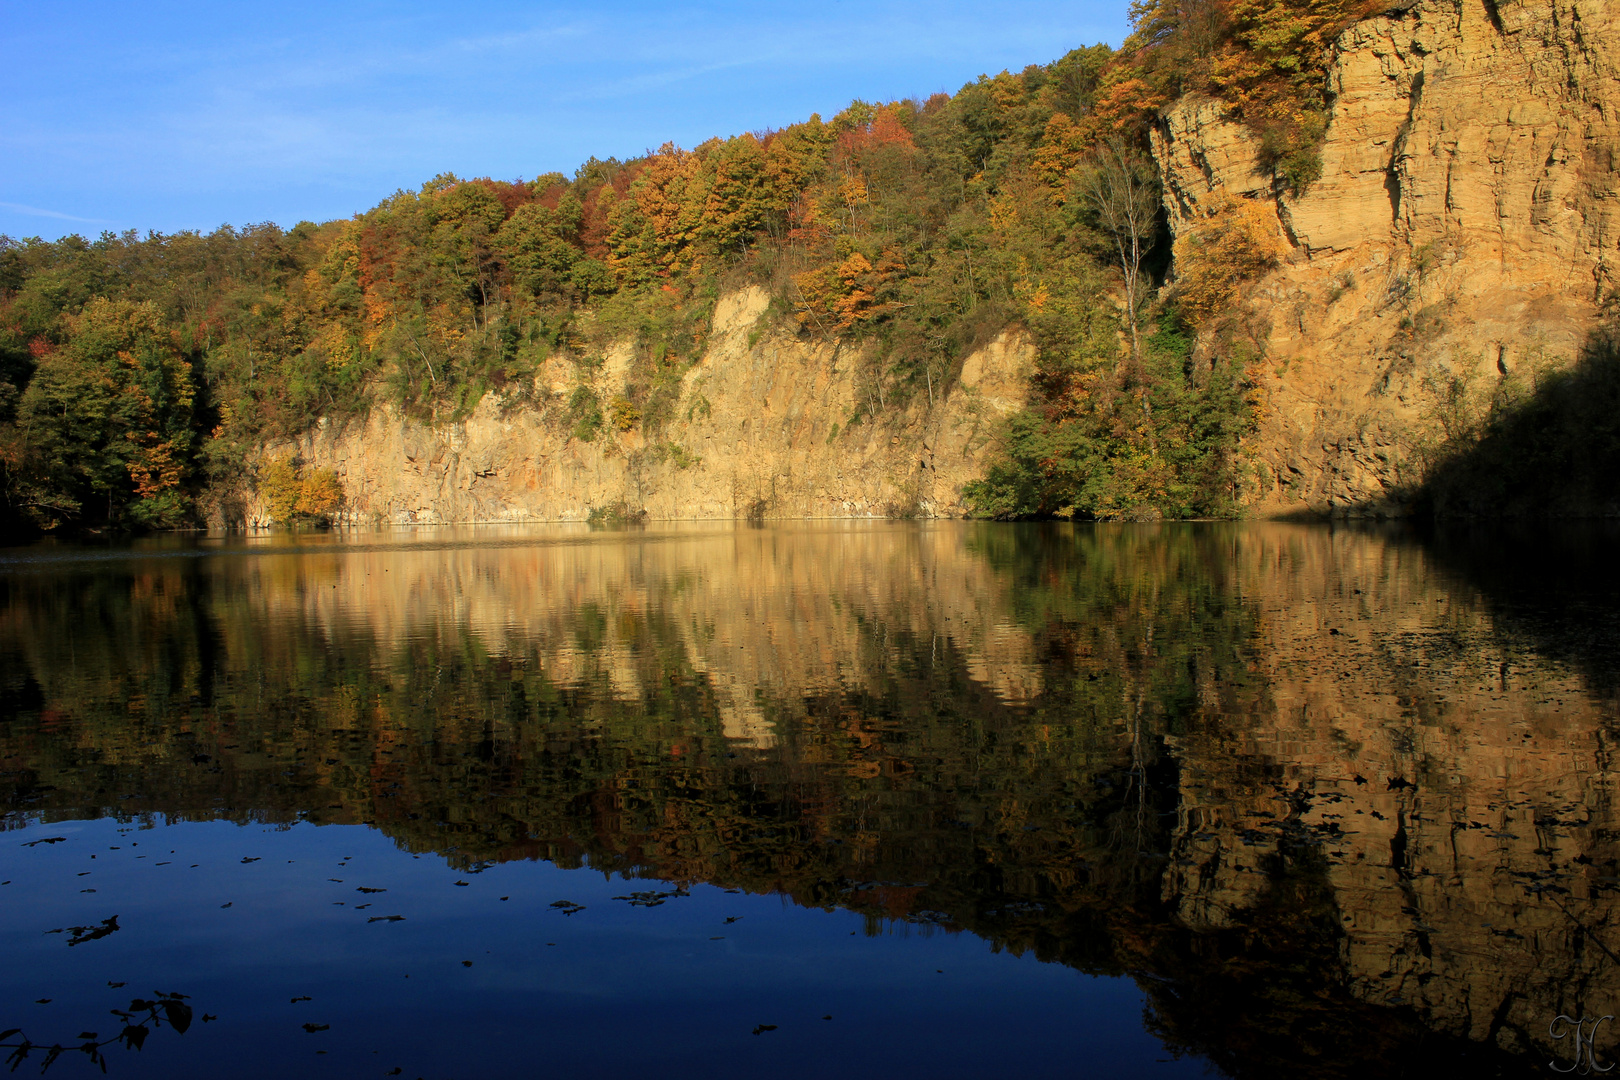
x,y
1122,190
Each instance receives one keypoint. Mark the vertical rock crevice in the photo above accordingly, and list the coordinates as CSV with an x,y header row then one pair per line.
x,y
1470,162
1397,150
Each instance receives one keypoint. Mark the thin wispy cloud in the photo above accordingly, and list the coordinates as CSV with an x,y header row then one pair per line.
x,y
183,114
651,80
524,39
35,211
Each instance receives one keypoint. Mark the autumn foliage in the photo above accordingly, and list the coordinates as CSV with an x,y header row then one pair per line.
x,y
136,372
1234,241
1265,59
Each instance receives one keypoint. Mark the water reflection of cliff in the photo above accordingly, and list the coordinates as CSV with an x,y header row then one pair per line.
x,y
1320,791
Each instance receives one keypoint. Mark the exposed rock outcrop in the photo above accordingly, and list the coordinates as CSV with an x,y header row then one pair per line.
x,y
1462,232
765,426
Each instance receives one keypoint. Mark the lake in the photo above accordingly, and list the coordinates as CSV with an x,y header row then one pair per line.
x,y
934,799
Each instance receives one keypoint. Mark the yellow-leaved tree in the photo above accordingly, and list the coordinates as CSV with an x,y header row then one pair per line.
x,y
294,493
1237,240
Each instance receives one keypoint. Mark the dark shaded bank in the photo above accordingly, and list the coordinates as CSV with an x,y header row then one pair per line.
x,y
1538,444
1551,586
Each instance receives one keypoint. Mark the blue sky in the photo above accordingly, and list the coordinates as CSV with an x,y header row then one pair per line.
x,y
175,116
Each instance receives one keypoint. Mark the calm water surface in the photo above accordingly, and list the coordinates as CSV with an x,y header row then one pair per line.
x,y
940,800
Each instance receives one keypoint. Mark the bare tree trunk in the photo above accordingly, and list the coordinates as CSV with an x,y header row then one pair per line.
x,y
1122,190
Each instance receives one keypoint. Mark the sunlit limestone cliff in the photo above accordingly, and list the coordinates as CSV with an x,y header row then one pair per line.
x,y
761,427
1461,236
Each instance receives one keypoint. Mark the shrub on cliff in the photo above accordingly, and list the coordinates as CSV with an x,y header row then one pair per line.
x,y
1234,241
294,493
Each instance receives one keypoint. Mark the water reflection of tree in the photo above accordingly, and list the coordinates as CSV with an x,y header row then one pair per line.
x,y
909,789
144,1016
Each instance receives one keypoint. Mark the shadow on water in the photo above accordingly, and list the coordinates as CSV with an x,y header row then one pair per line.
x,y
1555,585
1336,799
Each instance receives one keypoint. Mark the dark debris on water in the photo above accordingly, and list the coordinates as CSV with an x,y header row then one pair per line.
x,y
650,898
81,934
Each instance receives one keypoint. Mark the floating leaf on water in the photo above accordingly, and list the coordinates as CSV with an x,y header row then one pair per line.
x,y
649,898
179,1014
81,934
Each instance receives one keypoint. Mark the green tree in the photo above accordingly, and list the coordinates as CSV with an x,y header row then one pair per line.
x,y
540,246
107,423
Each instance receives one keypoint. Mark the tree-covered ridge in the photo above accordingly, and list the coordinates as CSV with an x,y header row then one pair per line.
x,y
915,229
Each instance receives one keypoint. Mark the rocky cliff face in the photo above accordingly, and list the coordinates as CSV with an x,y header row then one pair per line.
x,y
763,428
1461,233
